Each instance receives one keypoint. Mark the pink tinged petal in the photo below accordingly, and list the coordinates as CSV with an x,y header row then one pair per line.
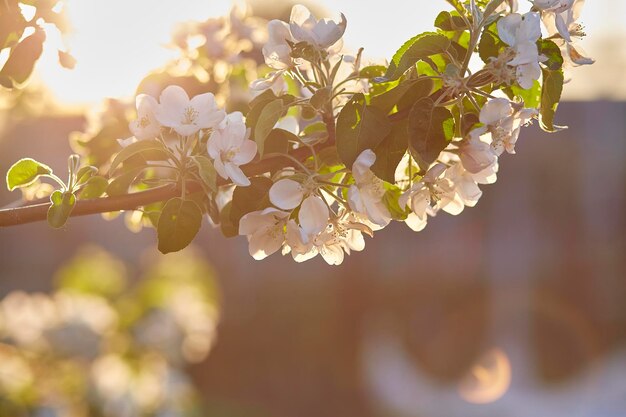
x,y
220,168
246,153
417,224
286,194
265,243
186,130
362,164
257,220
354,199
578,55
355,240
530,28
174,100
377,212
452,205
495,110
507,28
313,215
561,26
333,255
218,142
236,174
527,74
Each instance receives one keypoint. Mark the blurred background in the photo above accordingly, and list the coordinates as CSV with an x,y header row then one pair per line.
x,y
514,308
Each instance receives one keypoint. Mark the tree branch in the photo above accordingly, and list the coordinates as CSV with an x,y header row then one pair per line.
x,y
14,216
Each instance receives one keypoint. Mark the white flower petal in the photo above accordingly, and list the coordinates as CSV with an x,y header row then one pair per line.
x,y
286,194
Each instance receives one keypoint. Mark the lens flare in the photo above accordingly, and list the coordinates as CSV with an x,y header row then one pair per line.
x,y
488,379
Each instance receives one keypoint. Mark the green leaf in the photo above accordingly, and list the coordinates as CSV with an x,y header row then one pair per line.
x,y
416,49
390,151
278,141
551,50
227,226
550,97
390,99
320,98
490,44
121,184
270,115
94,188
85,173
248,199
450,22
359,127
373,71
179,224
207,172
531,96
25,172
391,201
61,208
430,130
21,62
134,149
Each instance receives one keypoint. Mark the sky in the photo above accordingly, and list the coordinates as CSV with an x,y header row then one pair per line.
x,y
115,50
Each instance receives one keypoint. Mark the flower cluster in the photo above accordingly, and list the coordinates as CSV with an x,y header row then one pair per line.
x,y
330,149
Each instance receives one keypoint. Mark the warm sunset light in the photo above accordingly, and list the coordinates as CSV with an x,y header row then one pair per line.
x,y
488,380
116,43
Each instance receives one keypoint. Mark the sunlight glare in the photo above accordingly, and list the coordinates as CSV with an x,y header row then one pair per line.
x,y
116,44
488,380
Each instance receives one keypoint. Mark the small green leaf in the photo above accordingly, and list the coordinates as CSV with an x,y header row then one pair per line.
x,y
179,224
61,208
270,115
550,97
134,149
359,127
430,130
416,49
207,172
85,173
25,172
94,188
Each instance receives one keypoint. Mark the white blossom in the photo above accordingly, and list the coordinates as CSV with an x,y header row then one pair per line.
x,y
562,20
321,33
503,123
366,195
432,193
265,231
146,126
521,33
286,194
230,148
277,51
476,155
187,116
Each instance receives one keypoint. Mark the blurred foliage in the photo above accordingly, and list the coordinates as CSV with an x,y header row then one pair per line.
x,y
22,34
103,345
